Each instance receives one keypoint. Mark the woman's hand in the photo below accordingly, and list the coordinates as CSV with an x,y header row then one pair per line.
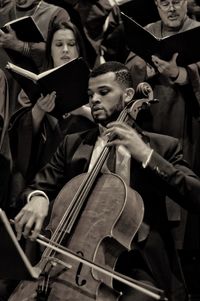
x,y
43,105
46,104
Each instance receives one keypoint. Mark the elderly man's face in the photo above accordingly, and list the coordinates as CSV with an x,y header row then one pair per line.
x,y
172,12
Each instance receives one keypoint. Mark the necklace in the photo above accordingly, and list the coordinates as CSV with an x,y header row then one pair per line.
x,y
37,7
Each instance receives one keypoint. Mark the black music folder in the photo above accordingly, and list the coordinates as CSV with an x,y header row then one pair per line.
x,y
145,44
26,29
70,81
14,263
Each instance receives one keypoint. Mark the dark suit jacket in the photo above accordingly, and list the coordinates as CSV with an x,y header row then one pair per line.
x,y
166,174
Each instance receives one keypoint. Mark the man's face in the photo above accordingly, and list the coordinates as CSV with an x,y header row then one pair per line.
x,y
172,12
106,97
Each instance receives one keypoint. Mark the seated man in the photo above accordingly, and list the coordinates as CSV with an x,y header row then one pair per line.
x,y
154,168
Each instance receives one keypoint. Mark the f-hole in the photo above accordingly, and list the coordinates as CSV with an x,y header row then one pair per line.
x,y
79,281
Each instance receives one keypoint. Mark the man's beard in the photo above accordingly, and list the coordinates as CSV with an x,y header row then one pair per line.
x,y
115,114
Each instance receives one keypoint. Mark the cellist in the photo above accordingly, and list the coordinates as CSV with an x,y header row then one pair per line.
x,y
154,167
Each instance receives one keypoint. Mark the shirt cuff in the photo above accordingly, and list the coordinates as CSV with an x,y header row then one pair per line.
x,y
145,164
182,78
37,193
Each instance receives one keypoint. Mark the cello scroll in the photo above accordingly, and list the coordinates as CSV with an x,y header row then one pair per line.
x,y
144,98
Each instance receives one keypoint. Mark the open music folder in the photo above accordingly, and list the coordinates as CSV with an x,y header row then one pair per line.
x,y
14,263
145,44
26,29
70,81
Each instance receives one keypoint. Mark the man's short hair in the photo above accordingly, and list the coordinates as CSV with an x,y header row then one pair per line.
x,y
123,75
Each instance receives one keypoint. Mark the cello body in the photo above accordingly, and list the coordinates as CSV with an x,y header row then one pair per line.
x,y
106,227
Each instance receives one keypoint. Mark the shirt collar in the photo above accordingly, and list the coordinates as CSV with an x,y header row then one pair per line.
x,y
101,129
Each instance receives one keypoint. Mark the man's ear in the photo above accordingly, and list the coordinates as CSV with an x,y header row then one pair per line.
x,y
129,94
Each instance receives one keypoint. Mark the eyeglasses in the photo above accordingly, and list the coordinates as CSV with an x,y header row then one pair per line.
x,y
165,4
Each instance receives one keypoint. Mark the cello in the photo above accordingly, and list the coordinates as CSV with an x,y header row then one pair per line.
x,y
96,224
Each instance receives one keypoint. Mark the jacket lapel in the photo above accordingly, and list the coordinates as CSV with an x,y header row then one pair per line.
x,y
84,151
